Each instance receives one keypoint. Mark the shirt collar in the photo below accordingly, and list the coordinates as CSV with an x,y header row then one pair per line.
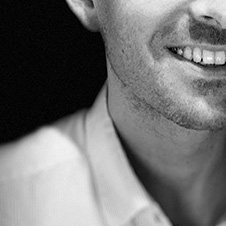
x,y
120,194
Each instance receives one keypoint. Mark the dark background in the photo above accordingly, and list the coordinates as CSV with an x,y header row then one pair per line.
x,y
50,66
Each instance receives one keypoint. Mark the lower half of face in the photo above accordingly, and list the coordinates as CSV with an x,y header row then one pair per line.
x,y
191,95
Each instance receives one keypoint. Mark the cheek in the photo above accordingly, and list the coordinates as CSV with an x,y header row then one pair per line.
x,y
126,43
127,37
127,56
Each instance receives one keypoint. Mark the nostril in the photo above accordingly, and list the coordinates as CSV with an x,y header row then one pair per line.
x,y
209,12
210,20
208,17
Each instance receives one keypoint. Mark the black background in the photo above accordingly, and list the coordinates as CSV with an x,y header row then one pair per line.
x,y
50,66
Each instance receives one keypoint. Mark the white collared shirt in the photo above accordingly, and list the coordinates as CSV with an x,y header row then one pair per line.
x,y
73,173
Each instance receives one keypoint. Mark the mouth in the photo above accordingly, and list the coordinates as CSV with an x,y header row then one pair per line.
x,y
208,61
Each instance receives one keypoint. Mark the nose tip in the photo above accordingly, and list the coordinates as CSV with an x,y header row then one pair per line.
x,y
210,11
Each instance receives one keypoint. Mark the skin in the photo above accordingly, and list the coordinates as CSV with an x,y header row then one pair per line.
x,y
169,115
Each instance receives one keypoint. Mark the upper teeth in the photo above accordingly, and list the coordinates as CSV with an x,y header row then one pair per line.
x,y
202,56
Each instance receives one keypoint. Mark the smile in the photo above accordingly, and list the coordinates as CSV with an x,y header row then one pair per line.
x,y
205,59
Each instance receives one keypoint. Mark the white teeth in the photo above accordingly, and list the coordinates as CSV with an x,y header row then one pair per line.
x,y
197,55
204,57
208,57
220,58
188,53
180,51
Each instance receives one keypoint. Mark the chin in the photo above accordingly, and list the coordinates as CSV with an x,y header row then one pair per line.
x,y
199,120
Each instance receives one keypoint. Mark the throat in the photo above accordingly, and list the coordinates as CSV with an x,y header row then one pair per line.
x,y
198,200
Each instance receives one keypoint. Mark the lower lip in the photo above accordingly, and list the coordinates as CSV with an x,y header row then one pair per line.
x,y
200,70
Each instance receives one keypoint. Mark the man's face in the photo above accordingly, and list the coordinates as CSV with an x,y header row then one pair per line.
x,y
137,35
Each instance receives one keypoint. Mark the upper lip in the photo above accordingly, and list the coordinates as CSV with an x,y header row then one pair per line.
x,y
213,48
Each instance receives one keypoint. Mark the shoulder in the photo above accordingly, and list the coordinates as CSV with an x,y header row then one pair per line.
x,y
48,167
48,145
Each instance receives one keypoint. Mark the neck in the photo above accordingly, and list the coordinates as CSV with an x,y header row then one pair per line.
x,y
182,169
